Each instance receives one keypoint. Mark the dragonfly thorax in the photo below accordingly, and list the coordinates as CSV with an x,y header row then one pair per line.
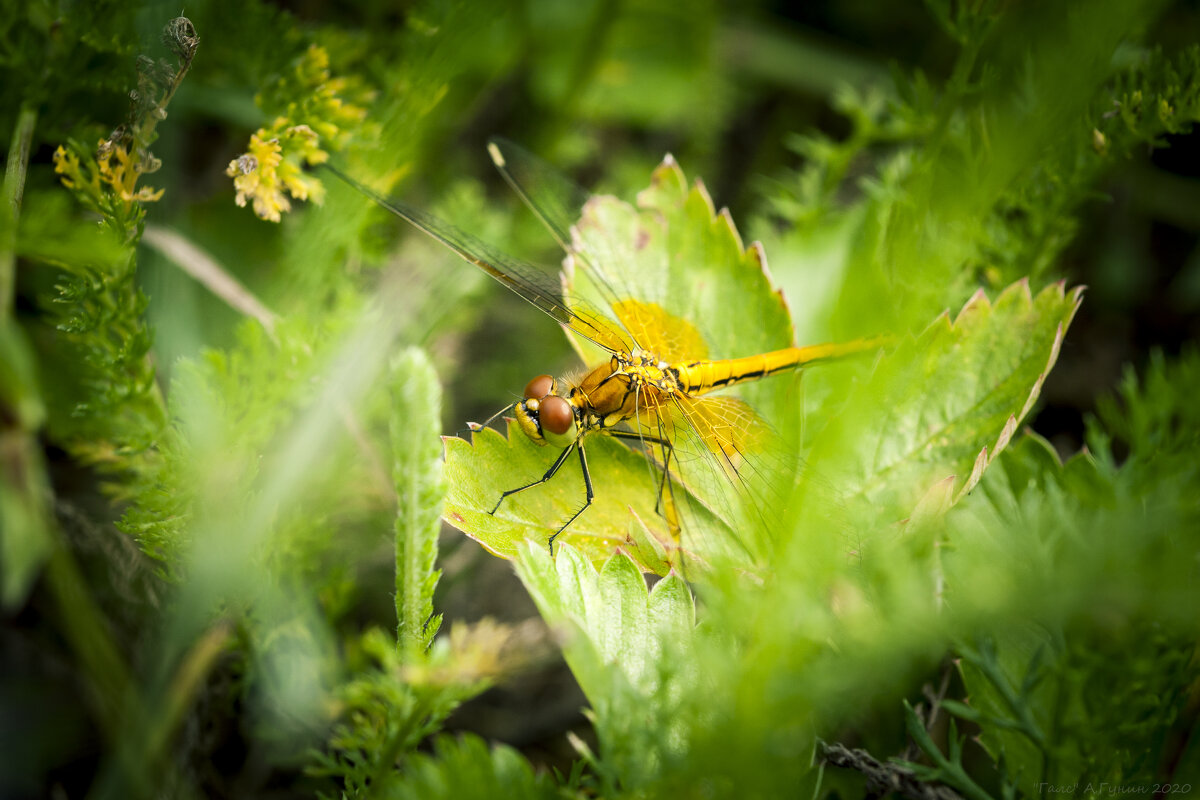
x,y
623,388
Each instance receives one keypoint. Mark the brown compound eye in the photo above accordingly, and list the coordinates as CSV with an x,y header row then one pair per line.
x,y
539,387
555,414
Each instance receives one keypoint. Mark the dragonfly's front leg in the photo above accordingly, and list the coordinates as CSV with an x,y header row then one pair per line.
x,y
587,484
550,473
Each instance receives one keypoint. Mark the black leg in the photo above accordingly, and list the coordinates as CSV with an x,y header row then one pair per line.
x,y
639,437
668,450
667,487
550,473
587,484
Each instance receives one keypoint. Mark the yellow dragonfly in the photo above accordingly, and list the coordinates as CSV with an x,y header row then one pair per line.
x,y
655,374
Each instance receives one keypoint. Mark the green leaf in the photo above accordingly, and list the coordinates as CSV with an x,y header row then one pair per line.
x,y
621,516
622,623
945,402
628,648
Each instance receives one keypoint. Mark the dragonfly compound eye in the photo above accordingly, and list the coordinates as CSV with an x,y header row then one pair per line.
x,y
539,387
556,415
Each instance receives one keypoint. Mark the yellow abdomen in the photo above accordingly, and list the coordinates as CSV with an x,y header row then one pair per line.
x,y
698,377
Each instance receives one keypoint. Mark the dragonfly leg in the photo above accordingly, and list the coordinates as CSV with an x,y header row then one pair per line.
x,y
665,484
587,483
550,473
666,487
667,452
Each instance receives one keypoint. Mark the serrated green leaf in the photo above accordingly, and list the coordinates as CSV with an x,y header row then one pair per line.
x,y
945,403
629,649
621,621
671,604
621,516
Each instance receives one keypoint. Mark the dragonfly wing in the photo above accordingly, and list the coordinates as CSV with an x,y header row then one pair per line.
x,y
670,338
557,201
597,266
532,283
729,459
669,270
726,426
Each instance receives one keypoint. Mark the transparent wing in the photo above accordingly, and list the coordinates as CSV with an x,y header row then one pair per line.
x,y
560,205
728,427
729,459
557,201
541,288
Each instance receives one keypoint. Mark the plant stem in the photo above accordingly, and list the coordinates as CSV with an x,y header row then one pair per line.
x,y
14,190
420,491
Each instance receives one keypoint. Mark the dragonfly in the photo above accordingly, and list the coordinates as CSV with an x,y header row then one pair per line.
x,y
653,383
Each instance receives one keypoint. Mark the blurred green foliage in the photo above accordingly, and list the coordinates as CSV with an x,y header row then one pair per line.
x,y
219,487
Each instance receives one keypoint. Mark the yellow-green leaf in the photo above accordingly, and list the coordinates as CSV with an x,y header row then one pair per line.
x,y
943,404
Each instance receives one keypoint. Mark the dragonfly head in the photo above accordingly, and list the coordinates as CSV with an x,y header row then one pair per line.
x,y
544,416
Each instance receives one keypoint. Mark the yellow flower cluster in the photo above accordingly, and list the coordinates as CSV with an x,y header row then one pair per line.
x,y
323,105
107,183
106,180
320,119
266,175
66,163
484,651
